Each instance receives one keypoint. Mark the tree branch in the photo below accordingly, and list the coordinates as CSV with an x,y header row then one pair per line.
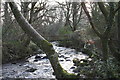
x,y
90,20
32,11
103,9
117,8
110,20
79,16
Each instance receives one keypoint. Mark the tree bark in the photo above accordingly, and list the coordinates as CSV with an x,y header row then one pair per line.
x,y
104,49
119,26
114,51
25,12
27,40
42,43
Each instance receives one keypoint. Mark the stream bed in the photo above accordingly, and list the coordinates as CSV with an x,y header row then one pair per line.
x,y
38,66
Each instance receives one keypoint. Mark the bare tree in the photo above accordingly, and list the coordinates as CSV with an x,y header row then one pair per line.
x,y
72,12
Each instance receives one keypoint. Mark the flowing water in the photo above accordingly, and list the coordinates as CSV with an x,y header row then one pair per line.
x,y
38,66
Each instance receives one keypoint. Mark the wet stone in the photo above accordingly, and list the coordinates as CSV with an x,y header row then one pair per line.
x,y
67,57
45,57
31,70
45,70
61,56
27,66
61,60
13,63
75,70
76,60
53,73
68,60
37,57
73,67
35,60
84,60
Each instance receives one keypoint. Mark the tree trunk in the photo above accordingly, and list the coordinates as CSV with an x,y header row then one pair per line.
x,y
25,12
119,26
41,43
114,51
105,53
104,48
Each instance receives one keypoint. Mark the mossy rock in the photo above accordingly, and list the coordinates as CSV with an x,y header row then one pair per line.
x,y
87,52
68,76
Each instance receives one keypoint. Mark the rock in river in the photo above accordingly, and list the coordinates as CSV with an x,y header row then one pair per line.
x,y
31,70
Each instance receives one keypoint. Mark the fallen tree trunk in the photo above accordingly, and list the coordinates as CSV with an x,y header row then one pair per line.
x,y
43,44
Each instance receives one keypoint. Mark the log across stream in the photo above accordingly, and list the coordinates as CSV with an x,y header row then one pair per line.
x,y
38,66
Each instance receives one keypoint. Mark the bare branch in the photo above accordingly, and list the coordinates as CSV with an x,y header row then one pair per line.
x,y
32,11
79,16
90,20
60,3
110,20
103,9
117,8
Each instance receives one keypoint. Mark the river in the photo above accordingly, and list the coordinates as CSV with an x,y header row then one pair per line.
x,y
38,66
